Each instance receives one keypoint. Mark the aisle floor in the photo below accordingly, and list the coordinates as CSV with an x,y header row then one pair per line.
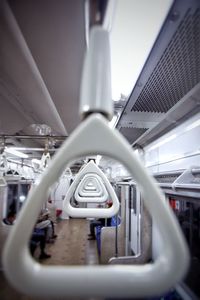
x,y
71,247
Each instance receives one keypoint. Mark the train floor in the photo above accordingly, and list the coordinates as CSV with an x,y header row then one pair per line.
x,y
71,247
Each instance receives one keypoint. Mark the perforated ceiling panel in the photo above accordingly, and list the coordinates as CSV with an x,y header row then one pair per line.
x,y
131,134
177,71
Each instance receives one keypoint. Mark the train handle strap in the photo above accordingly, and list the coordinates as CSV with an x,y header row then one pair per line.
x,y
91,167
98,195
3,182
83,189
90,184
3,163
101,281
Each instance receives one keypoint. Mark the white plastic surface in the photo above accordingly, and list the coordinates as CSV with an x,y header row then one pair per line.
x,y
90,183
91,186
96,79
3,163
45,160
118,281
2,182
99,196
90,168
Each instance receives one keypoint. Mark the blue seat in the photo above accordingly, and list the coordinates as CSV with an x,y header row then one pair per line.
x,y
98,238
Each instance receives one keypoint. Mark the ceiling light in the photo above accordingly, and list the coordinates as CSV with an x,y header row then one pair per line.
x,y
15,152
22,198
193,125
113,122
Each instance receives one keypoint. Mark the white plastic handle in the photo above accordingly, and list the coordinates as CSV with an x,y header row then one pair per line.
x,y
83,190
90,183
119,281
91,167
2,181
45,160
3,163
90,196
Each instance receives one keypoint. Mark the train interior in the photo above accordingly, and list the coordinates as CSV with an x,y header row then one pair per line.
x,y
155,107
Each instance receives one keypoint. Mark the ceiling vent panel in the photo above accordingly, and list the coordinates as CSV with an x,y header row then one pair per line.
x,y
177,71
131,134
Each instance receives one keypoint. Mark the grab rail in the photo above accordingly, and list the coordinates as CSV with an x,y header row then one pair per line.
x,y
98,281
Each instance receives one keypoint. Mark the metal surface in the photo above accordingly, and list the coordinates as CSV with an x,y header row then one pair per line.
x,y
171,71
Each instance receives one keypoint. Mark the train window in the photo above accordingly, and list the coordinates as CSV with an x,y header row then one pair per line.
x,y
188,214
23,192
16,195
12,196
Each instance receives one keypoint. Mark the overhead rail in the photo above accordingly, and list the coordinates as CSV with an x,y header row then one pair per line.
x,y
119,281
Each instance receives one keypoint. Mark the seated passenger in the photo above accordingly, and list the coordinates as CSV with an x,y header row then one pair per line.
x,y
39,237
52,211
10,219
47,225
99,222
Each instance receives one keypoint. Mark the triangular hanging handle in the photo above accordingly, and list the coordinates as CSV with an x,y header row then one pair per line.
x,y
84,188
100,281
99,196
90,183
91,167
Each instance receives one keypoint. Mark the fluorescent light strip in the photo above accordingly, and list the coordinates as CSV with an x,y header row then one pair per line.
x,y
113,122
193,125
15,152
171,137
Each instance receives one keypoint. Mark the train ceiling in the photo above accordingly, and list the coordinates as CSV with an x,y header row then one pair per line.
x,y
41,55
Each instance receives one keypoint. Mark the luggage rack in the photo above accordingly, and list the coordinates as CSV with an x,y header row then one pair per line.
x,y
181,182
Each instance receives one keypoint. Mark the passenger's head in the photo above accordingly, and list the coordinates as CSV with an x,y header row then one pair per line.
x,y
11,216
109,203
